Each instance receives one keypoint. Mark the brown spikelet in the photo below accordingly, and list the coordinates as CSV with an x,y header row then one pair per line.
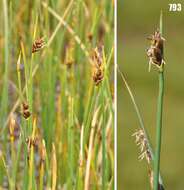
x,y
98,71
156,50
38,45
25,110
90,37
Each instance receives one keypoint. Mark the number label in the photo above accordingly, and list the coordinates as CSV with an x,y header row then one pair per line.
x,y
175,7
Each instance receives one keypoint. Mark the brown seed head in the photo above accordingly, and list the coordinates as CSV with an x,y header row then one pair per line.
x,y
156,50
38,45
25,110
90,37
98,70
25,105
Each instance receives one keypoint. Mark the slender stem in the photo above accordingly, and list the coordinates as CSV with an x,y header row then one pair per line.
x,y
90,150
4,97
159,121
104,164
137,112
158,130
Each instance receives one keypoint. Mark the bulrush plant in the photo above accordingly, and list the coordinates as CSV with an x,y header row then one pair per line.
x,y
155,54
56,128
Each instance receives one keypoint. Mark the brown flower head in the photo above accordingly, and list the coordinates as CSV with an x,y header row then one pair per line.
x,y
25,110
98,70
38,45
156,50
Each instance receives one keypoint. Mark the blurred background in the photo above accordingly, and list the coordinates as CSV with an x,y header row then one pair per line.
x,y
136,21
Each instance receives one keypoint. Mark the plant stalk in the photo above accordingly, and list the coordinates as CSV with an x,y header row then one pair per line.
x,y
158,131
4,97
159,121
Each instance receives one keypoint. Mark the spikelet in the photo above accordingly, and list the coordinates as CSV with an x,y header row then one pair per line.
x,y
156,50
98,70
142,142
38,45
25,110
90,37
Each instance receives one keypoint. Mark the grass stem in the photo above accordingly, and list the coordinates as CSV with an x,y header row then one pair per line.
x,y
159,123
158,130
4,98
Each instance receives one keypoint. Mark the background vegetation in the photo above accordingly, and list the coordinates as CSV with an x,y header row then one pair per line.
x,y
67,141
136,21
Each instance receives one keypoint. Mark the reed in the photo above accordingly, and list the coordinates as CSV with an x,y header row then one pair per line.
x,y
50,92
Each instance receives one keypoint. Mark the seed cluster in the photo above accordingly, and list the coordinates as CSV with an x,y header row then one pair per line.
x,y
156,51
98,72
38,45
25,110
142,142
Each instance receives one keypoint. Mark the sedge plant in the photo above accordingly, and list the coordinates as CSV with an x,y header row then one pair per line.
x,y
56,117
142,136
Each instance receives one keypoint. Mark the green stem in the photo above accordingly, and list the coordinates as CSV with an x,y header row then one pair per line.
x,y
159,120
158,131
4,99
104,164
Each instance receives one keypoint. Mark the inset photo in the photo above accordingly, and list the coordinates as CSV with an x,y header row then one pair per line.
x,y
150,95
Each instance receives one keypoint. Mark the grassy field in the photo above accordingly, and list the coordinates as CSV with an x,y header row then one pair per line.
x,y
135,24
56,94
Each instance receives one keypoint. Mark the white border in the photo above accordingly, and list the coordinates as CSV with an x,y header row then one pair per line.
x,y
115,93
